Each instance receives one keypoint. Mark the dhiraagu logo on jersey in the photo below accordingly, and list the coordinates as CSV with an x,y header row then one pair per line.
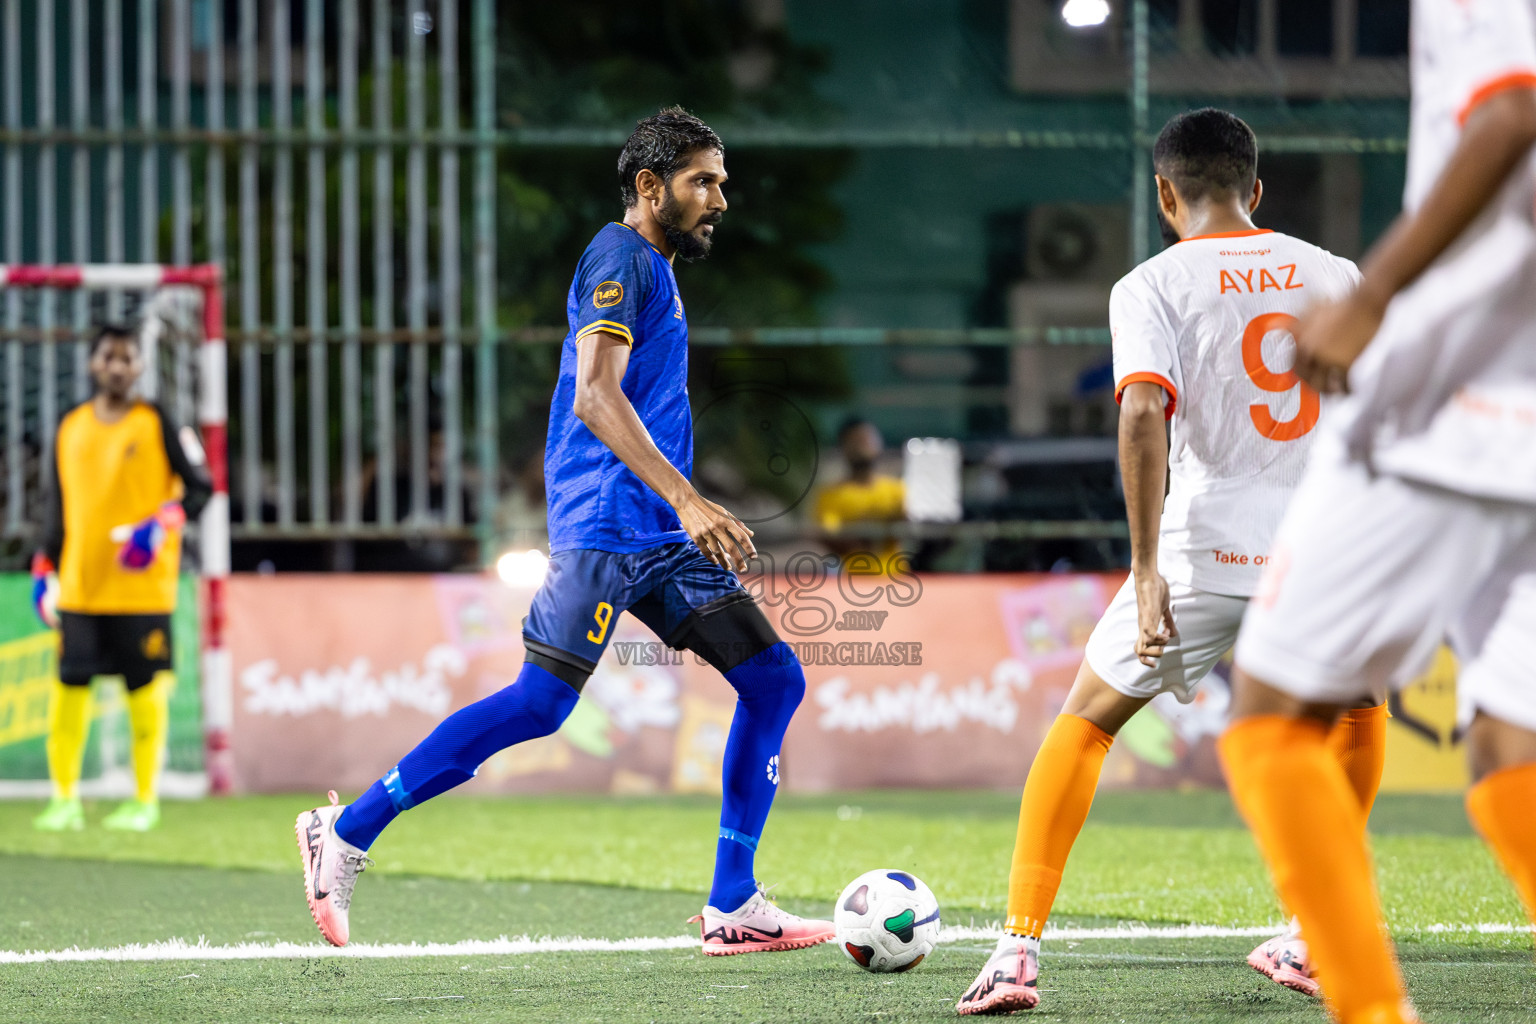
x,y
773,769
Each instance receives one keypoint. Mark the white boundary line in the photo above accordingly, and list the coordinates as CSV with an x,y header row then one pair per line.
x,y
960,933
180,949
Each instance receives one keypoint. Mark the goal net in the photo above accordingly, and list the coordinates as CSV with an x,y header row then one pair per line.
x,y
47,317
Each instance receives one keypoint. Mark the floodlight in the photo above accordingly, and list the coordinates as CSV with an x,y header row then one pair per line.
x,y
522,568
1085,13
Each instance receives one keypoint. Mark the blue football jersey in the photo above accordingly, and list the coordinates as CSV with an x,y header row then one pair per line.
x,y
625,286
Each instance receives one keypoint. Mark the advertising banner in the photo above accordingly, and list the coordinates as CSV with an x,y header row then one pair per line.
x,y
932,681
28,668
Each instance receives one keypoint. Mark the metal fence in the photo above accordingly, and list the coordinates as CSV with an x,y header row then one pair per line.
x,y
339,158
45,371
299,127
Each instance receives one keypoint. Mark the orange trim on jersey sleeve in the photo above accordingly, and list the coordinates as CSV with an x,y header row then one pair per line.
x,y
1231,234
1525,79
1151,378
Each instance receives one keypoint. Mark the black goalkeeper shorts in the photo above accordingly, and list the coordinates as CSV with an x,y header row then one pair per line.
x,y
132,646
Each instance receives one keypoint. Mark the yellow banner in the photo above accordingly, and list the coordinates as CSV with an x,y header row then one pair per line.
x,y
27,671
1424,748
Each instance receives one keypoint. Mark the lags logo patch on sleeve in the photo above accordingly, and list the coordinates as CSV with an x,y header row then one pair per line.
x,y
609,293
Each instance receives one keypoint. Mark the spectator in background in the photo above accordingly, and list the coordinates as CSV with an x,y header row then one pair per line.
x,y
866,496
425,542
403,510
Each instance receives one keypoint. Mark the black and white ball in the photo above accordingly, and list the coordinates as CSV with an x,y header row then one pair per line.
x,y
887,921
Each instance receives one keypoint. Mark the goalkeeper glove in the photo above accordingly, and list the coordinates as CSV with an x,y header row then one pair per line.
x,y
142,541
45,590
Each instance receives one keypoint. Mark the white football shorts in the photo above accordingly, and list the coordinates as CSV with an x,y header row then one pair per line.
x,y
1369,573
1207,625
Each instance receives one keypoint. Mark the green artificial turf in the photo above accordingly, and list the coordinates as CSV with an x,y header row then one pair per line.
x,y
226,872
1137,981
1148,857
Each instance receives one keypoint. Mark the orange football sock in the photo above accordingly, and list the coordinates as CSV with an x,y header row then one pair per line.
x,y
1500,808
1306,821
1057,796
1359,743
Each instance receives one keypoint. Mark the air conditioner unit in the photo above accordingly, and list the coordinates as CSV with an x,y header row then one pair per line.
x,y
1073,255
1076,242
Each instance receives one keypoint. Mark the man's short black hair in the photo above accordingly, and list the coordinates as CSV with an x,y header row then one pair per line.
x,y
851,424
109,332
662,144
1207,153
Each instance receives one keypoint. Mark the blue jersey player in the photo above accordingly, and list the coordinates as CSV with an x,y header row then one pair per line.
x,y
627,532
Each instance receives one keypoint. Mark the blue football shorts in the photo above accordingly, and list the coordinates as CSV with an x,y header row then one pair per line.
x,y
685,599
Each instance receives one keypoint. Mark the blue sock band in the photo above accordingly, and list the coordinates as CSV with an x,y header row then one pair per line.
x,y
535,705
750,842
397,794
768,689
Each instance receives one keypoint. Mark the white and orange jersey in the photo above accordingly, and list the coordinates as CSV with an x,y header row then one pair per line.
x,y
1208,319
1446,392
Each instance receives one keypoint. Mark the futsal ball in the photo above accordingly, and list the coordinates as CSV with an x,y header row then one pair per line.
x,y
887,921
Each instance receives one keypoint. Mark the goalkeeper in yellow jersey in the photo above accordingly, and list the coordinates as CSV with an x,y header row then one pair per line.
x,y
122,484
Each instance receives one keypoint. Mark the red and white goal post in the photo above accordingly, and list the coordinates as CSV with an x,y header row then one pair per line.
x,y
213,416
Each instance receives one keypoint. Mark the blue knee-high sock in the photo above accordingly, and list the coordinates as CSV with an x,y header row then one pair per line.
x,y
533,706
768,688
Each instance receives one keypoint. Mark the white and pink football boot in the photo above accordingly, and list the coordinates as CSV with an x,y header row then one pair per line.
x,y
1007,982
331,867
758,926
1284,961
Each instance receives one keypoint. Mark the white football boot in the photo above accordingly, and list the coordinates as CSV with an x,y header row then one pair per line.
x,y
758,926
1008,981
1284,961
331,867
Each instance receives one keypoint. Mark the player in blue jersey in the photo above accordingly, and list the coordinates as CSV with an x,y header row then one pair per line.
x,y
627,532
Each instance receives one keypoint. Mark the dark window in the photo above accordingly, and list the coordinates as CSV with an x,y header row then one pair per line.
x,y
1382,28
1163,25
1293,201
1231,26
1163,15
1305,28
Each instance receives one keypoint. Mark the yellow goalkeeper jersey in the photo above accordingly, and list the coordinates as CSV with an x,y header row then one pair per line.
x,y
107,475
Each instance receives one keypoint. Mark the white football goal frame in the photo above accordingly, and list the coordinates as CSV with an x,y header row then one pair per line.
x,y
213,422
